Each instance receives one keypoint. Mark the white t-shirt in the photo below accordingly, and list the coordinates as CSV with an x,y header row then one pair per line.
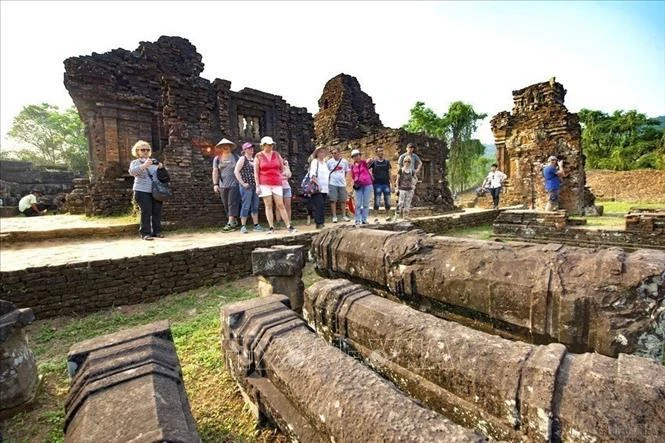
x,y
322,176
495,179
26,202
338,176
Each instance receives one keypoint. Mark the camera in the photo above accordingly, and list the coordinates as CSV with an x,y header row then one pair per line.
x,y
155,161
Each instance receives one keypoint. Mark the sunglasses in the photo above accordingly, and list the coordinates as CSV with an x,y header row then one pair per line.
x,y
144,150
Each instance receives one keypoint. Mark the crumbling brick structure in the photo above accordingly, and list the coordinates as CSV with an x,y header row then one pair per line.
x,y
347,120
156,93
540,126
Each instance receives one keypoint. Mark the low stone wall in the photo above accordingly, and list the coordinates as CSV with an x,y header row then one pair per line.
x,y
522,225
19,178
89,286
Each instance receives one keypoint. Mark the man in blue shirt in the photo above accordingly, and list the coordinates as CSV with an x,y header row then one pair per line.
x,y
552,174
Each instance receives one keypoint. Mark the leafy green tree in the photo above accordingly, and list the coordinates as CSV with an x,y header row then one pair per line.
x,y
55,136
621,141
456,127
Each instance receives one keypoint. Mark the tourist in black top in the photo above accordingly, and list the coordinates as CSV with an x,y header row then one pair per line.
x,y
380,168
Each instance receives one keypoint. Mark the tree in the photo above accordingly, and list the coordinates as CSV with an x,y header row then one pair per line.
x,y
55,137
621,141
456,127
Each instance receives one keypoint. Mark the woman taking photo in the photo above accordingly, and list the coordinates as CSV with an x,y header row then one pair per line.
x,y
405,185
362,186
244,173
268,167
225,182
144,171
319,174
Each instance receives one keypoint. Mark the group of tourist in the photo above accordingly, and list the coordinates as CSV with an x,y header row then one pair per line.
x,y
368,177
241,180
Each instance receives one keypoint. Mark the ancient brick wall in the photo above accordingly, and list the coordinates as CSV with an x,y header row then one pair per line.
x,y
540,126
155,93
89,286
18,178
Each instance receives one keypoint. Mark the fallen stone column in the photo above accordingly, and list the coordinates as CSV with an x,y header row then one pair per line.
x,y
311,390
280,272
128,386
602,300
509,390
18,370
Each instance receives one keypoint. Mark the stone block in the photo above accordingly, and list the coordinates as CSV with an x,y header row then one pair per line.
x,y
292,287
18,370
128,386
508,390
278,260
314,392
576,296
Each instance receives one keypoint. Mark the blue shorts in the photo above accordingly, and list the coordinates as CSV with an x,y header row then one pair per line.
x,y
287,193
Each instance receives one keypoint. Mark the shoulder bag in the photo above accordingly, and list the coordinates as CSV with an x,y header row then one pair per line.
x,y
160,191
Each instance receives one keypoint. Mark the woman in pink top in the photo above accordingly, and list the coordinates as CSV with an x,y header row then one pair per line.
x,y
268,166
362,186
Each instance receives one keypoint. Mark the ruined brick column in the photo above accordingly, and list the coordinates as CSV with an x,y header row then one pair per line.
x,y
280,272
509,390
18,369
128,386
312,391
604,300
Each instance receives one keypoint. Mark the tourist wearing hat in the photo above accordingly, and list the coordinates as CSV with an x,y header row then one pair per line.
x,y
144,170
494,182
30,207
319,174
416,163
268,167
244,172
224,181
553,172
362,186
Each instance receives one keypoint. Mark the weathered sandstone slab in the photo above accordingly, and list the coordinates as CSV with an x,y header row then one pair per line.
x,y
280,272
18,369
311,390
601,300
128,386
507,389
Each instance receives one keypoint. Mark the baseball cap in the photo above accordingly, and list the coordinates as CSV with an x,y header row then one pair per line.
x,y
355,152
247,145
267,140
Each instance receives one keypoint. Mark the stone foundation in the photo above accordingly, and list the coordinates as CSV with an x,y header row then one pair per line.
x,y
509,390
128,386
599,300
642,231
77,288
280,272
312,391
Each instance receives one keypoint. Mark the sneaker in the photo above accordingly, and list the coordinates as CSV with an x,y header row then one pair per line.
x,y
258,228
147,237
334,220
271,230
160,235
376,220
243,230
389,218
234,224
291,229
365,222
228,228
346,219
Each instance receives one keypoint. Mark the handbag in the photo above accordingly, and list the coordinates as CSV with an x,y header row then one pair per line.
x,y
160,191
307,186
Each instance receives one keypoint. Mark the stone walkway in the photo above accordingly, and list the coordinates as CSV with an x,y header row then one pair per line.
x,y
55,222
58,252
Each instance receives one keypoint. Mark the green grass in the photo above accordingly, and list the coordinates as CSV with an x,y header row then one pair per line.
x,y
480,232
622,207
215,401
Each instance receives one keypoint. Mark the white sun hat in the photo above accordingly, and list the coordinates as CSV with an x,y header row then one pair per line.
x,y
267,140
225,141
355,152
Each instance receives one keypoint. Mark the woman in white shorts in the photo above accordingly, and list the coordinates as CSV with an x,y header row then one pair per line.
x,y
268,167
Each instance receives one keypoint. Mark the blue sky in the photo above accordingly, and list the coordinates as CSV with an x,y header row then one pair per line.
x,y
608,55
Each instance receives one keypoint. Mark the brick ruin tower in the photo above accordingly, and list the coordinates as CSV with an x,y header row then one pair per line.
x,y
156,93
347,120
540,126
